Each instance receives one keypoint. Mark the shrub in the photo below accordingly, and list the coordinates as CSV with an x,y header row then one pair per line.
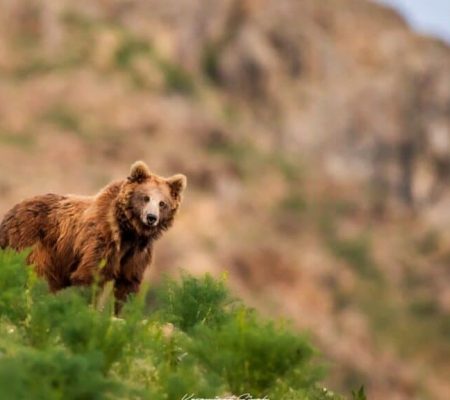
x,y
252,355
64,118
64,345
193,301
177,79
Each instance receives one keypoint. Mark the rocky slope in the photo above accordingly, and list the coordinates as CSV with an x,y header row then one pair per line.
x,y
316,138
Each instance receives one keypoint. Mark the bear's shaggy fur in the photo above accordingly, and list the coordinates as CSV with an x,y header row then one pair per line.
x,y
74,239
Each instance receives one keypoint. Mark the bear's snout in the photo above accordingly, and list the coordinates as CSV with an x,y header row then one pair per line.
x,y
152,219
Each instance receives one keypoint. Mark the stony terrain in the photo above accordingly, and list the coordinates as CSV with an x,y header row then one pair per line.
x,y
316,139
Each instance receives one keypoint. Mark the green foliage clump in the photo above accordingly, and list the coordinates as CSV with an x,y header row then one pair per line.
x,y
129,48
176,78
195,341
294,203
64,118
193,302
210,62
355,251
252,355
359,394
24,140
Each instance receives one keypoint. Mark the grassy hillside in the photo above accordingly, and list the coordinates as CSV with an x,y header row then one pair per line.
x,y
193,339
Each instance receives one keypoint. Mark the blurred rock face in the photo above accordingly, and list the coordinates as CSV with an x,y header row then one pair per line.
x,y
316,136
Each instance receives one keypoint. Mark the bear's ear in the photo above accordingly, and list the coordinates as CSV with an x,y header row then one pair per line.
x,y
139,172
177,184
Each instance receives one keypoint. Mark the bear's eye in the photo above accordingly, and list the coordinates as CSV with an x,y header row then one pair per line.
x,y
162,204
146,198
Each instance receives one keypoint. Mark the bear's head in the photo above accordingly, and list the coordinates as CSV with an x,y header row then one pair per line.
x,y
150,202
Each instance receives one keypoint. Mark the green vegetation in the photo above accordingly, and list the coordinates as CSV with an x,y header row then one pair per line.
x,y
359,394
354,250
129,48
242,156
23,140
210,62
64,118
294,203
196,340
176,78
32,68
251,162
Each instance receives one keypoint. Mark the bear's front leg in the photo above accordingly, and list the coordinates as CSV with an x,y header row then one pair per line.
x,y
122,289
131,275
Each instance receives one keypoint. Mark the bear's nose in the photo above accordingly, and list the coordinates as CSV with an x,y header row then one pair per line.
x,y
151,219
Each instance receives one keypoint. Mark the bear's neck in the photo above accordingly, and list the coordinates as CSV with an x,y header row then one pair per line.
x,y
130,237
128,230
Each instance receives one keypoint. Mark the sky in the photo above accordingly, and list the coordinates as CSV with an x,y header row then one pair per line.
x,y
431,17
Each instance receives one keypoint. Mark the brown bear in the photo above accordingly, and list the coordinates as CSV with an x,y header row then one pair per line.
x,y
109,236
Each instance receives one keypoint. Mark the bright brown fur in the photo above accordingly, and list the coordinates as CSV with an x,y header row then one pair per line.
x,y
72,237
